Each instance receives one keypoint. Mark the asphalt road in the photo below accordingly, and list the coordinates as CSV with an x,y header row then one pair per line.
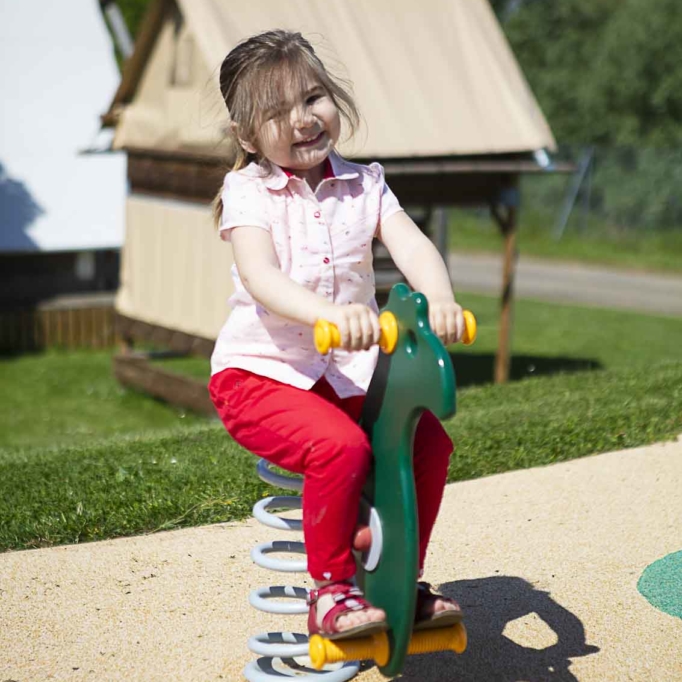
x,y
571,283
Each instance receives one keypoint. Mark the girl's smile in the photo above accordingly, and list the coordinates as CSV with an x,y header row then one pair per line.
x,y
302,133
310,142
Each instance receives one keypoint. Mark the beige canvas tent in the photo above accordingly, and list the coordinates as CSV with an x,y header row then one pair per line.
x,y
445,107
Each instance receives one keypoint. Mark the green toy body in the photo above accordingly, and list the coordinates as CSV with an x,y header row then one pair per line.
x,y
417,376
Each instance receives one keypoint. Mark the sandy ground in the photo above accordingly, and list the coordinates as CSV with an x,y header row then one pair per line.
x,y
545,562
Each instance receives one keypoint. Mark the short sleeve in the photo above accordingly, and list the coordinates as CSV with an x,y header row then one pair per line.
x,y
389,201
245,202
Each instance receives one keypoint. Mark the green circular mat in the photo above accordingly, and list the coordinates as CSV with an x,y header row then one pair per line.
x,y
661,584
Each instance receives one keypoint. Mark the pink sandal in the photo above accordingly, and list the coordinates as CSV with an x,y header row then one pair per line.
x,y
425,617
347,597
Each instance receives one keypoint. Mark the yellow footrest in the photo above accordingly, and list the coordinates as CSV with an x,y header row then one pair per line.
x,y
376,648
324,651
453,638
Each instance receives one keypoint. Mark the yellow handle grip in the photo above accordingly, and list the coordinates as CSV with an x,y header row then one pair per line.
x,y
327,334
469,335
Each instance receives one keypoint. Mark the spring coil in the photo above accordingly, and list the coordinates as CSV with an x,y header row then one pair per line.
x,y
284,654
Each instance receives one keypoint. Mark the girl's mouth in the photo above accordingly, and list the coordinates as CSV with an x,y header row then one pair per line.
x,y
310,142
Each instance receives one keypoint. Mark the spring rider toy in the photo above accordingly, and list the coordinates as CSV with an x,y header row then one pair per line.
x,y
414,373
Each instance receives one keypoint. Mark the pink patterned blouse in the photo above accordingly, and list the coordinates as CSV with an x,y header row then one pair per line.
x,y
323,240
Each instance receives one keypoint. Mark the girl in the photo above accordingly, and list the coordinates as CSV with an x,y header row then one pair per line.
x,y
301,220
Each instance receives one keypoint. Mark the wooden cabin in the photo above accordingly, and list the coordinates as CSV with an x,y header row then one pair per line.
x,y
445,109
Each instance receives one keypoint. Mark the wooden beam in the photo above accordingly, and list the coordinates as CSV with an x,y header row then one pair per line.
x,y
136,371
131,330
135,65
449,182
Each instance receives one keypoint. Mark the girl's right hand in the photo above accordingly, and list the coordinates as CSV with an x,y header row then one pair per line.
x,y
358,325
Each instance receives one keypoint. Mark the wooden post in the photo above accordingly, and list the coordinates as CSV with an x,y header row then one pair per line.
x,y
505,213
126,345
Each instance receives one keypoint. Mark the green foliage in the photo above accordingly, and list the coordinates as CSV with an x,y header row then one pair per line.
x,y
638,74
556,44
628,188
603,71
638,187
133,12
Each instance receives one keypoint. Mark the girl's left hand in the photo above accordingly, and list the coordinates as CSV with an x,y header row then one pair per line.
x,y
447,321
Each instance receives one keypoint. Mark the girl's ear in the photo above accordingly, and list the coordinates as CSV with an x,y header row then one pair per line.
x,y
246,146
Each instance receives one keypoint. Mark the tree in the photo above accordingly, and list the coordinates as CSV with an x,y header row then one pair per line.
x,y
133,11
603,71
638,74
556,44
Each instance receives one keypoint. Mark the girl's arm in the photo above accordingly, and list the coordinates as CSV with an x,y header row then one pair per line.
x,y
418,259
258,266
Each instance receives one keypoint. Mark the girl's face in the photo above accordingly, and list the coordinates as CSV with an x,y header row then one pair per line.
x,y
302,132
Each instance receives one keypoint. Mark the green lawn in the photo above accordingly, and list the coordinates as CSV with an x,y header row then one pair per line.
x,y
82,459
659,251
68,398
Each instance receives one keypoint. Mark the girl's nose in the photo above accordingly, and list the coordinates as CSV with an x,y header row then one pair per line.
x,y
303,117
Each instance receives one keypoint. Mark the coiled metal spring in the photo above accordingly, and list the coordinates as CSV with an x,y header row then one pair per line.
x,y
284,654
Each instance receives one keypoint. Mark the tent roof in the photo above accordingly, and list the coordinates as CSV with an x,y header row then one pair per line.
x,y
434,78
57,72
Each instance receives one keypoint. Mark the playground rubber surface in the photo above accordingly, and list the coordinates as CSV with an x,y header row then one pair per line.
x,y
546,563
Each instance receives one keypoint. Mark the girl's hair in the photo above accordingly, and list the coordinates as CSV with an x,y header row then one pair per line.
x,y
254,80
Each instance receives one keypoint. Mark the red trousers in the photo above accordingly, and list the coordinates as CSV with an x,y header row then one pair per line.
x,y
316,433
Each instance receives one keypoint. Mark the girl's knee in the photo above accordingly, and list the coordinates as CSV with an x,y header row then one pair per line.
x,y
343,454
354,450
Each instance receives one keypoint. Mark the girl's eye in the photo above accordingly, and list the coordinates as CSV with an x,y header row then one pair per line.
x,y
313,98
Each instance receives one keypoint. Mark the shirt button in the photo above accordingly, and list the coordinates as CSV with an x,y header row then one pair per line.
x,y
326,260
317,214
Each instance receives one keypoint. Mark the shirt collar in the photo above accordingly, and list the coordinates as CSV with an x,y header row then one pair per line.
x,y
328,171
341,168
335,167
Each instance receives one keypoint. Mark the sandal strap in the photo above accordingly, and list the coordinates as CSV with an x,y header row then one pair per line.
x,y
425,589
338,591
426,596
329,620
346,596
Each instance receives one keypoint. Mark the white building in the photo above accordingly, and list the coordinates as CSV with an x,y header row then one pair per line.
x,y
62,205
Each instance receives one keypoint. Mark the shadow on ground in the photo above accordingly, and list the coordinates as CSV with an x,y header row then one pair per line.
x,y
489,605
472,369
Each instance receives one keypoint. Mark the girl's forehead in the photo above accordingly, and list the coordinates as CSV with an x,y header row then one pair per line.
x,y
298,86
284,85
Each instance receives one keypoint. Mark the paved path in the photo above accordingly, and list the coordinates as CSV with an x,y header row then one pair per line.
x,y
571,283
545,561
